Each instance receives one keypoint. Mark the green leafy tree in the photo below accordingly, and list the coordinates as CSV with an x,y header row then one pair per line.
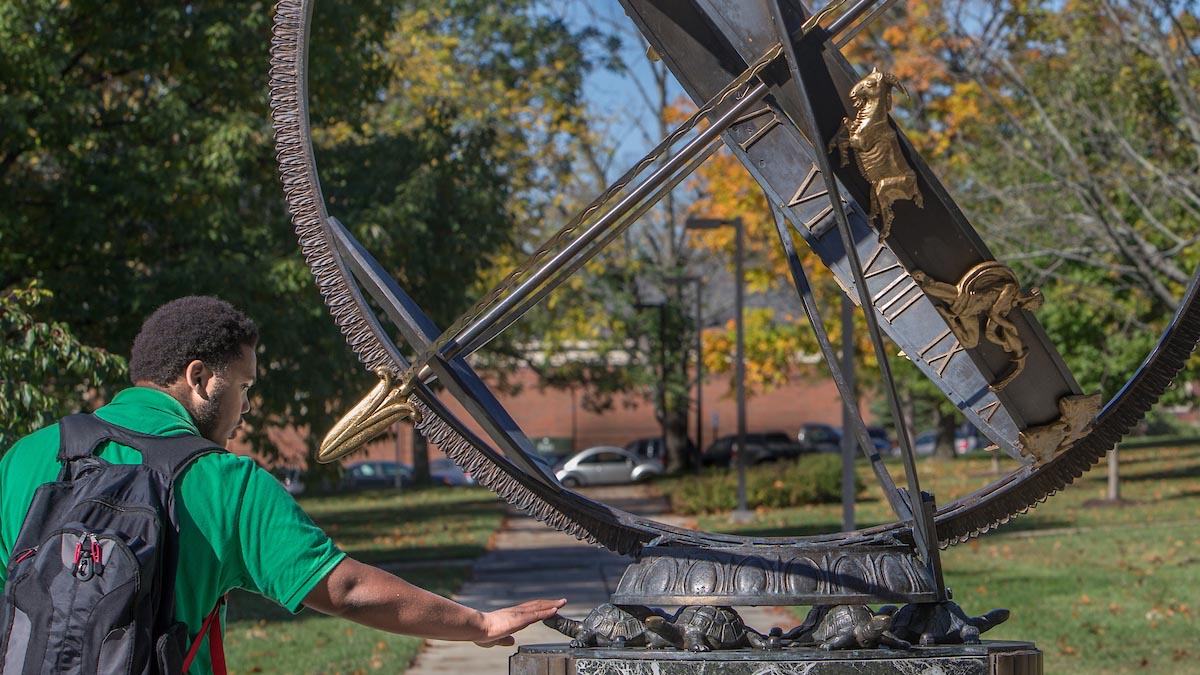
x,y
45,372
136,165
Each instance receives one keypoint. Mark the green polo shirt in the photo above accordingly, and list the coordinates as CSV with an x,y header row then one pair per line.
x,y
238,527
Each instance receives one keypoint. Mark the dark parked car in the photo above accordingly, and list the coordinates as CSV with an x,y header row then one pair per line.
x,y
817,437
654,448
760,447
291,479
443,471
376,474
648,448
879,437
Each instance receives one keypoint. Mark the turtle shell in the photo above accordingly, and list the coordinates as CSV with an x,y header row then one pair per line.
x,y
840,619
936,619
721,625
614,622
950,621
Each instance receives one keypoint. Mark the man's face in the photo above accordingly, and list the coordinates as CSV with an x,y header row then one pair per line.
x,y
219,417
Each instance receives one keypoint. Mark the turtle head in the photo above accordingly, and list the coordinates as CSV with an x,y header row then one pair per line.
x,y
661,626
877,625
568,627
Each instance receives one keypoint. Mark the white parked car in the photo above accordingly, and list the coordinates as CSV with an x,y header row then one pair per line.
x,y
606,465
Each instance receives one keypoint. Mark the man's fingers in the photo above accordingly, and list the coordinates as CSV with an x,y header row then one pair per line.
x,y
506,621
543,604
535,610
543,609
506,641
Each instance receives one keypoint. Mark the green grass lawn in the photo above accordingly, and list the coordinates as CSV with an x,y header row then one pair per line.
x,y
412,526
1100,589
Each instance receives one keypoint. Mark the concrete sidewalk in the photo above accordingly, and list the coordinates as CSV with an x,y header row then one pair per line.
x,y
530,560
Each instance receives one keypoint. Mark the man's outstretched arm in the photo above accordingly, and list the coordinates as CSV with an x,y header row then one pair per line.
x,y
372,597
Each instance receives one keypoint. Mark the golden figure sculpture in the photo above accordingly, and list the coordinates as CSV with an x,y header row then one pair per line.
x,y
378,410
877,147
979,305
1044,442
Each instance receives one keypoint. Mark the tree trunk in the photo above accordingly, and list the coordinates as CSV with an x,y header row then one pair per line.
x,y
946,424
676,438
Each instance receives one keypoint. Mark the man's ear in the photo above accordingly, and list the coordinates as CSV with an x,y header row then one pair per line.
x,y
197,377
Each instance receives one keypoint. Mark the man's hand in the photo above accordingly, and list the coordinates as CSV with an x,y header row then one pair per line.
x,y
375,598
502,623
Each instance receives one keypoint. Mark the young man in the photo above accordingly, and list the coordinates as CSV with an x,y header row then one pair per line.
x,y
192,365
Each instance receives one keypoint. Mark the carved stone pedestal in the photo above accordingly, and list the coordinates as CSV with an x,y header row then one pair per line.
x,y
989,658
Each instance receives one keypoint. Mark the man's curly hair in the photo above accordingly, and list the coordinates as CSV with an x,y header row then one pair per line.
x,y
183,330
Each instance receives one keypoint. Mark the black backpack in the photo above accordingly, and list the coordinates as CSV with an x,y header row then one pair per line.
x,y
91,578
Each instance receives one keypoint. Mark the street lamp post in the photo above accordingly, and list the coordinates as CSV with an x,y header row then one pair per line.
x,y
741,513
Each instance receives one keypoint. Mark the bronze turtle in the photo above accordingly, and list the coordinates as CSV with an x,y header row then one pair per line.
x,y
848,627
702,628
942,623
610,625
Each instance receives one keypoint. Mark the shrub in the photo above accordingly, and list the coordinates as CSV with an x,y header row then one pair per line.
x,y
811,479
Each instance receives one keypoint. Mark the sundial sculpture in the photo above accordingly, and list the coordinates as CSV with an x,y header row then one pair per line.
x,y
770,83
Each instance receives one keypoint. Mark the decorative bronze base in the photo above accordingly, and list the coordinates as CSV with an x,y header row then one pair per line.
x,y
989,658
760,575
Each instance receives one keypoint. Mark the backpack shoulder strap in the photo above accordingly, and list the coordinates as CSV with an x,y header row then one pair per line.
x,y
79,435
82,433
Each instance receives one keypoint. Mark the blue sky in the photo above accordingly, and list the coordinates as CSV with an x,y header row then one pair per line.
x,y
614,96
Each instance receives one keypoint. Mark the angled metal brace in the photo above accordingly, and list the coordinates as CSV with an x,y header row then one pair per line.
x,y
923,527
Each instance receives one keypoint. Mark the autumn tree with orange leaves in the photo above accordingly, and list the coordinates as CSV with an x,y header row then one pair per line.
x,y
1068,132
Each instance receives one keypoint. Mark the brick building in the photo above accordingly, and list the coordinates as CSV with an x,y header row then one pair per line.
x,y
557,414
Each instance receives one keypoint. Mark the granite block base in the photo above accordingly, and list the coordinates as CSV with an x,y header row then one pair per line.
x,y
989,658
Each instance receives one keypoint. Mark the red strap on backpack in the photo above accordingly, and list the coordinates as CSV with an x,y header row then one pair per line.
x,y
216,649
